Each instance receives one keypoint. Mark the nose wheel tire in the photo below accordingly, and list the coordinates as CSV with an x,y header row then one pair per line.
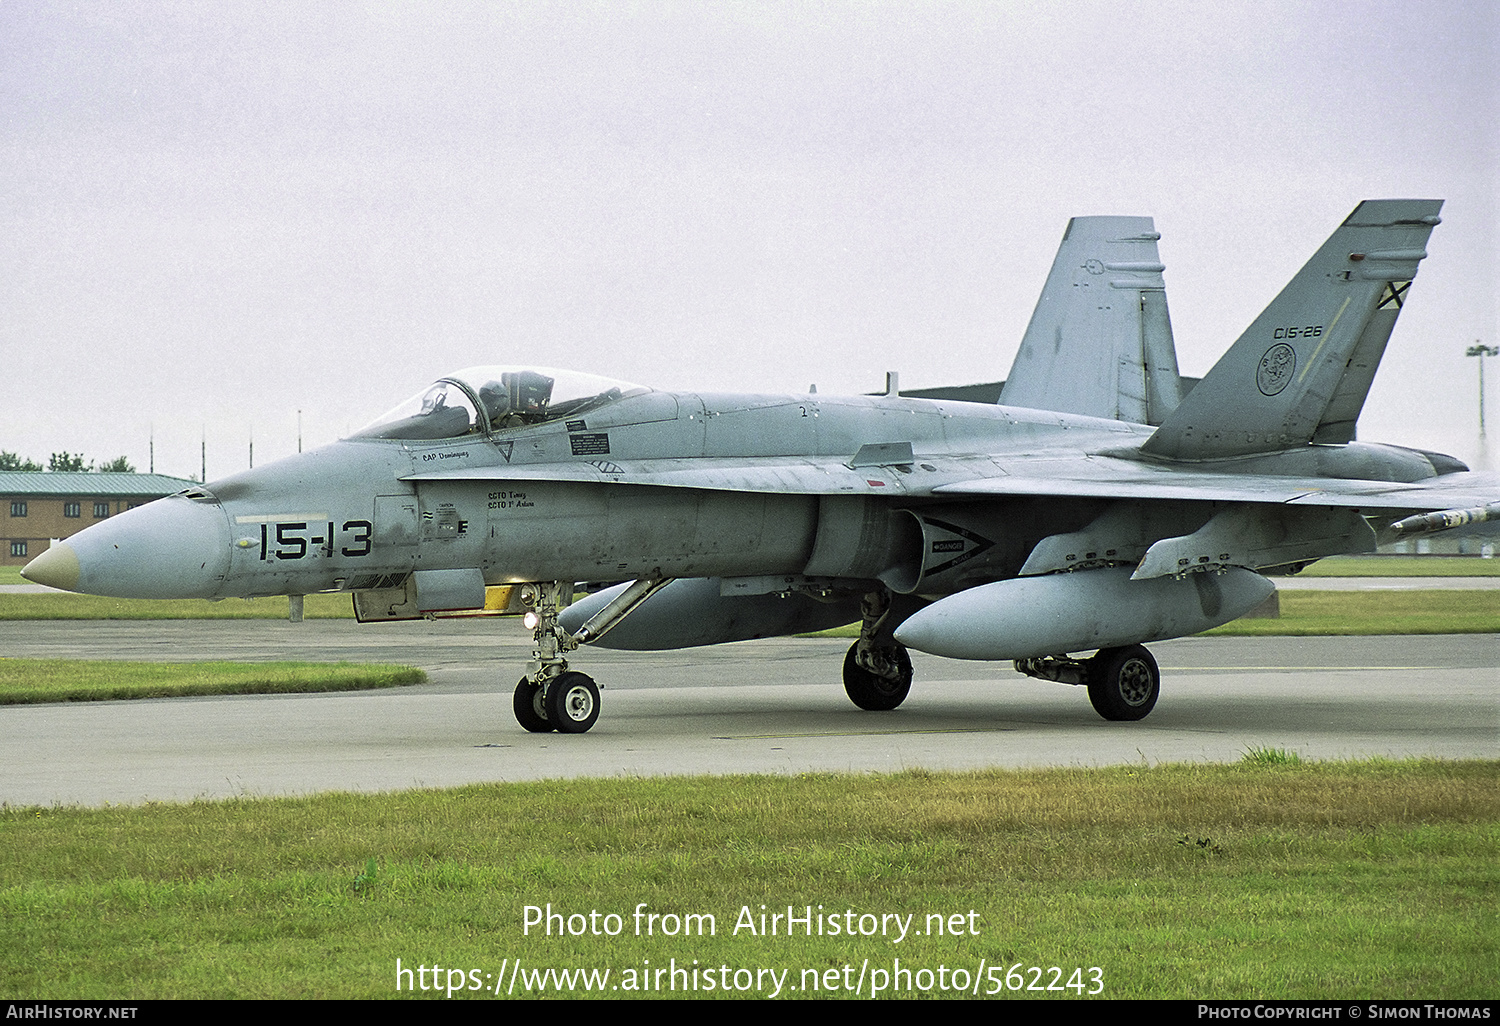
x,y
871,691
1124,683
528,706
572,703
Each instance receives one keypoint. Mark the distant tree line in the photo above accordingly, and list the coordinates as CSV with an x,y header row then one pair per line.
x,y
66,461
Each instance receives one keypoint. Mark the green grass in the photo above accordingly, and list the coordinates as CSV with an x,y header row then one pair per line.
x,y
1258,880
74,680
1271,757
1375,612
62,606
1403,566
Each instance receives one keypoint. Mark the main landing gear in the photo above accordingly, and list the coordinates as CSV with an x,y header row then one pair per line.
x,y
1123,683
877,670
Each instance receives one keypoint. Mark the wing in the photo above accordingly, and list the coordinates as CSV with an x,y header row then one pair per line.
x,y
1103,477
1073,475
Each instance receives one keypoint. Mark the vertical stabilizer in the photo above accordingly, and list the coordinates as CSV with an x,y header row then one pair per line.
x,y
1301,372
1100,340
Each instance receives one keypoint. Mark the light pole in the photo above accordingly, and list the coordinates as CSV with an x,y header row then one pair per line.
x,y
1481,351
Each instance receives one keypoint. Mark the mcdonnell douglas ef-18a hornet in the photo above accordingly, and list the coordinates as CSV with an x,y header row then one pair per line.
x,y
1104,501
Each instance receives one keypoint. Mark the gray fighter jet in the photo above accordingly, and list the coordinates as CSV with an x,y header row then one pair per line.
x,y
1103,502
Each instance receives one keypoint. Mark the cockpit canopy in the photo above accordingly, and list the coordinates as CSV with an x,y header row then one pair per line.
x,y
481,400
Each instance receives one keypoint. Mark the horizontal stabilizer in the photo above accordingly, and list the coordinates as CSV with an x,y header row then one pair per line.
x,y
987,392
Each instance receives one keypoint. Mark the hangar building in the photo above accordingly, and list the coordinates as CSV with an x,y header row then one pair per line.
x,y
40,506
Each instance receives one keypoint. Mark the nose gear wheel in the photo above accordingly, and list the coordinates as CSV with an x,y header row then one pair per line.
x,y
530,713
572,701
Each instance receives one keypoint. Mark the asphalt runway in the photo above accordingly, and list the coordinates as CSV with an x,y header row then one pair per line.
x,y
772,706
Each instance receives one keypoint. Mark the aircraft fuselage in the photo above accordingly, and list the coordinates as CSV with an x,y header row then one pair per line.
x,y
347,515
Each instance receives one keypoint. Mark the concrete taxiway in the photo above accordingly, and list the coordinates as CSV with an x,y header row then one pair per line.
x,y
770,706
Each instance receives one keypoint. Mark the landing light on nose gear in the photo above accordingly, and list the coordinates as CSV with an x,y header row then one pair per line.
x,y
550,696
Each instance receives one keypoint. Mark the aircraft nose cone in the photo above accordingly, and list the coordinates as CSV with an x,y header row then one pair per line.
x,y
170,548
55,568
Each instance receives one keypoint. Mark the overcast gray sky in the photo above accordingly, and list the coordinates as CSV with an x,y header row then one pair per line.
x,y
215,214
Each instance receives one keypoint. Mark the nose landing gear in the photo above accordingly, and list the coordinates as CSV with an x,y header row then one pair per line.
x,y
568,704
550,696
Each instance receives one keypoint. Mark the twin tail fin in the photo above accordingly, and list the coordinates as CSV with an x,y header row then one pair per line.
x,y
1300,373
1100,340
